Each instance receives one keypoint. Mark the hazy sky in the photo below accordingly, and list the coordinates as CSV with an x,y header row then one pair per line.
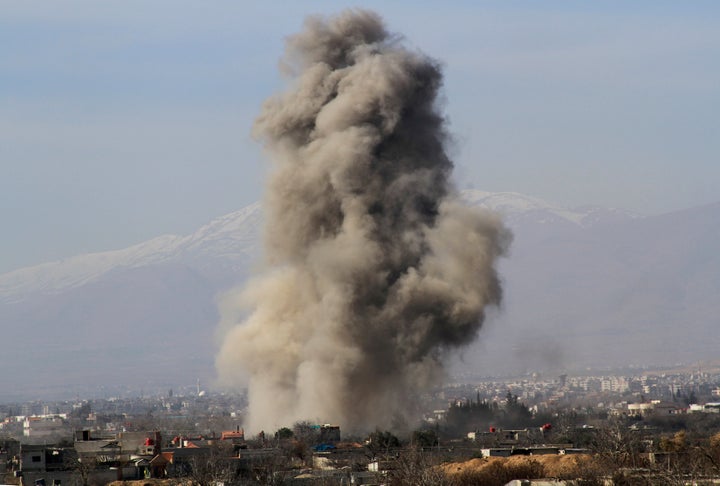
x,y
123,120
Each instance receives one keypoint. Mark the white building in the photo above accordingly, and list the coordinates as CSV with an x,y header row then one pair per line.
x,y
710,407
45,426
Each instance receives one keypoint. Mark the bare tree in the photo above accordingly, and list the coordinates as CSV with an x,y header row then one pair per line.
x,y
213,466
619,447
415,467
82,465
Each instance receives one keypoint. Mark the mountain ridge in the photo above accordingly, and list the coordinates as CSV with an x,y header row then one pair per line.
x,y
226,232
582,288
81,269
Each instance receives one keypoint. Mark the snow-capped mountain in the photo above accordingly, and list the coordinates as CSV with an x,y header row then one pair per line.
x,y
583,286
235,238
519,208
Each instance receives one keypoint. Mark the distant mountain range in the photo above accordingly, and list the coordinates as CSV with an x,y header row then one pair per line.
x,y
231,239
584,287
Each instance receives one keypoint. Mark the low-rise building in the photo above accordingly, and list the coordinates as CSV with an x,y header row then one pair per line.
x,y
46,426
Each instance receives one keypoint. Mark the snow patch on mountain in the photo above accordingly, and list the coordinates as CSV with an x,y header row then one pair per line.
x,y
232,235
514,206
236,237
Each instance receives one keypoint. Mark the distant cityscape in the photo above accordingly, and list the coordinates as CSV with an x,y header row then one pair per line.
x,y
164,433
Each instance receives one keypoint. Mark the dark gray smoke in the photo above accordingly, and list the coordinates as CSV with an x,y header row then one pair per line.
x,y
375,270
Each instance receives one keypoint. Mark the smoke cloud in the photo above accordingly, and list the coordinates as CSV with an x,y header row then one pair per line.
x,y
375,270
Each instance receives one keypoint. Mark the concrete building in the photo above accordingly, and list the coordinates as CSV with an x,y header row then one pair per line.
x,y
46,427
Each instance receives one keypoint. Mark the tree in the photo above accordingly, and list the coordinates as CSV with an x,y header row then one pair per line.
x,y
676,443
304,432
266,470
415,467
711,453
470,415
213,465
517,413
425,439
82,465
284,433
618,447
382,441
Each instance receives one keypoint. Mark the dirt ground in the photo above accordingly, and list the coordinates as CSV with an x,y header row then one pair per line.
x,y
554,466
146,482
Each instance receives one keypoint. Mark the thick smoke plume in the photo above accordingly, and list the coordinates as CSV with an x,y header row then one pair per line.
x,y
375,270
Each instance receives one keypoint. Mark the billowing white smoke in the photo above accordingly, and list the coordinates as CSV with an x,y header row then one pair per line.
x,y
375,270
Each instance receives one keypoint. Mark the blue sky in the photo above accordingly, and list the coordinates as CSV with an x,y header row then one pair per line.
x,y
124,120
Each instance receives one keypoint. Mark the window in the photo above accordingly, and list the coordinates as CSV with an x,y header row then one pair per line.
x,y
36,458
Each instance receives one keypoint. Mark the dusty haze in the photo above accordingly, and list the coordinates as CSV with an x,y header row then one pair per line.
x,y
375,272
